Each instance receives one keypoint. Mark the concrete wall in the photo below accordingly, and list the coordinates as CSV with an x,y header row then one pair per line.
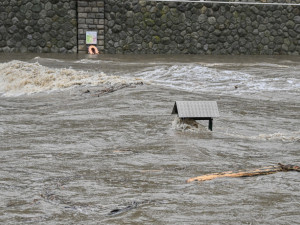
x,y
38,26
90,18
134,26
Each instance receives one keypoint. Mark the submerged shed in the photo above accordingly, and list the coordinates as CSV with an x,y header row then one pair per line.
x,y
197,110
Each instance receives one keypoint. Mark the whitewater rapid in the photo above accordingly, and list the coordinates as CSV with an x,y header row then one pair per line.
x,y
19,77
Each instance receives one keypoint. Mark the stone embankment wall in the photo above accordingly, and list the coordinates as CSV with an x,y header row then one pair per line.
x,y
134,26
139,26
258,1
38,26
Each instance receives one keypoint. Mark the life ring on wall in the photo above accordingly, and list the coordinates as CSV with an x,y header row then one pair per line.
x,y
93,50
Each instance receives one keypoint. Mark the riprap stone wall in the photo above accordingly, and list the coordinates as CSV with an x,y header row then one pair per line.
x,y
134,26
38,26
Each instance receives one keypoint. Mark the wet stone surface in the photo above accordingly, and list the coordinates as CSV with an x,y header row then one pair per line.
x,y
38,26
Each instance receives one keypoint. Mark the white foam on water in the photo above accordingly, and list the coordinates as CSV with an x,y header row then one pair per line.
x,y
289,137
125,63
278,136
199,78
193,77
18,78
91,61
271,65
38,58
188,125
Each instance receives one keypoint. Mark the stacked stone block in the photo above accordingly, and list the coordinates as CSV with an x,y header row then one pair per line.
x,y
259,1
139,26
38,26
134,26
90,18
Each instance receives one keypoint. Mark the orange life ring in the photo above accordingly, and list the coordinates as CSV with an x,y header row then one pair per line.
x,y
93,50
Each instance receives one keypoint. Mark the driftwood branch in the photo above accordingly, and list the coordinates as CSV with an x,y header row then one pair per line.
x,y
110,89
251,173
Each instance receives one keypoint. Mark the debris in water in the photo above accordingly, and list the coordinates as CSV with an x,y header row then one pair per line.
x,y
127,208
262,171
112,88
132,206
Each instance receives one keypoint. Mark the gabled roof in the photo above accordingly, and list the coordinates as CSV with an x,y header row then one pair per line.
x,y
196,109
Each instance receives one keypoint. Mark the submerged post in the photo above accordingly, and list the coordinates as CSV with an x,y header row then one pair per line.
x,y
197,110
210,124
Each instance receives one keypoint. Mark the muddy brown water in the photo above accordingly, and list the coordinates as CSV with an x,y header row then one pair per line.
x,y
70,156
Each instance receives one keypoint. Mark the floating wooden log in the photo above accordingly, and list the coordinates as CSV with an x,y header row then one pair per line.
x,y
251,173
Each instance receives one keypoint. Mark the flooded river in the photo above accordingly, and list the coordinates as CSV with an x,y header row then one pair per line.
x,y
91,140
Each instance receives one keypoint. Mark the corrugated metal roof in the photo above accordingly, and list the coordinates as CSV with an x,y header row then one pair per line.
x,y
196,109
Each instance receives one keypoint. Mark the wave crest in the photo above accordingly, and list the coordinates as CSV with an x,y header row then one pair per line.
x,y
17,78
